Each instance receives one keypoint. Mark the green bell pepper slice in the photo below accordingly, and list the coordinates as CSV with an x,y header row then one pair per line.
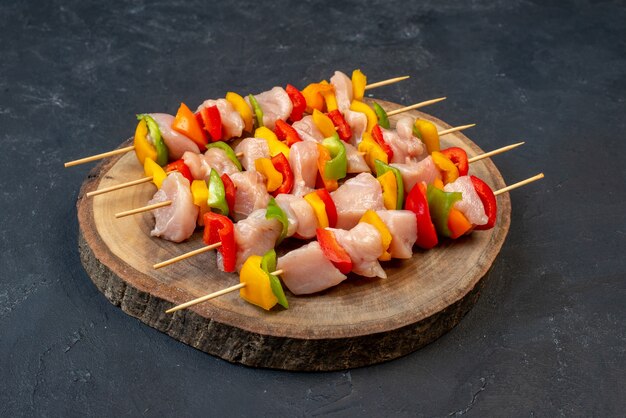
x,y
382,168
439,205
383,120
228,150
157,139
274,211
268,264
337,166
258,112
217,194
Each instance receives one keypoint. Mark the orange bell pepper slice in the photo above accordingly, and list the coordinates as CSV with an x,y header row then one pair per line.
x,y
187,124
458,223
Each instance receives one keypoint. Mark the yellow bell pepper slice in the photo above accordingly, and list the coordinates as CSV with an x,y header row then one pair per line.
x,y
390,190
372,118
313,96
143,148
427,132
324,123
273,176
319,208
200,193
372,151
274,144
438,184
329,97
151,168
258,289
359,81
449,171
242,108
373,219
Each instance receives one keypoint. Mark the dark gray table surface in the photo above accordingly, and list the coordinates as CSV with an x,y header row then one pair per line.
x,y
547,336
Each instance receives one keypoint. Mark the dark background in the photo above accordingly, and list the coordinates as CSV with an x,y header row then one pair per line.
x,y
547,336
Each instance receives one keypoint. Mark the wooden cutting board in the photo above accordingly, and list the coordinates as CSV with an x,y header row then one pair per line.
x,y
360,322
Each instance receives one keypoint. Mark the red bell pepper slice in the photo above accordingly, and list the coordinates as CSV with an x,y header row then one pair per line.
x,y
417,203
331,209
286,133
343,129
298,101
218,228
333,251
489,202
230,191
377,134
459,157
212,121
179,165
281,164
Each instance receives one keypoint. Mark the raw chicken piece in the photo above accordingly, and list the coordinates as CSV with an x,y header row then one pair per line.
x,y
307,129
471,205
282,200
358,124
251,193
363,245
176,142
252,149
343,90
302,212
200,165
306,270
303,161
232,123
403,227
356,162
414,172
177,221
255,235
196,164
405,149
355,197
218,160
275,104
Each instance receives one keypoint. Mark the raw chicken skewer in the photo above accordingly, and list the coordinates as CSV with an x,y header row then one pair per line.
x,y
240,154
132,147
346,220
282,271
166,203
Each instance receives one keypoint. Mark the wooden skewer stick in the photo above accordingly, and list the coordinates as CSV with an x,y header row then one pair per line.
x,y
519,184
99,156
415,106
214,295
456,129
120,186
187,255
143,209
386,82
494,152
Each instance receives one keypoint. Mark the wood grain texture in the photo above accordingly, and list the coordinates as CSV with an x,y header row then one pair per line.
x,y
360,322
